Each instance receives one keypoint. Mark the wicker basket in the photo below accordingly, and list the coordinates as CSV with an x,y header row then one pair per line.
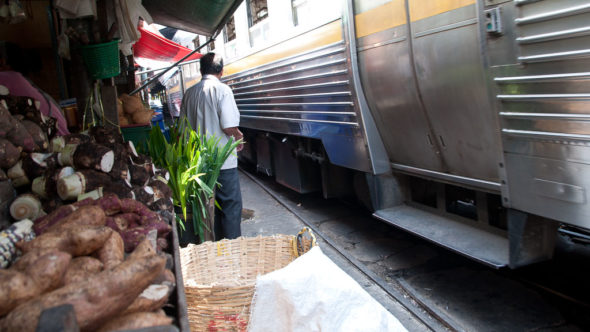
x,y
219,277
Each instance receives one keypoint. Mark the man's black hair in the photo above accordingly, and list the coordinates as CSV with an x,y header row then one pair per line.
x,y
211,64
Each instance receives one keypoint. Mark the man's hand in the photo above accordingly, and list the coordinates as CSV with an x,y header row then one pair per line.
x,y
237,135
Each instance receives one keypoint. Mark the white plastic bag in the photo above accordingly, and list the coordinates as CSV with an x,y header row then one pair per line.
x,y
314,294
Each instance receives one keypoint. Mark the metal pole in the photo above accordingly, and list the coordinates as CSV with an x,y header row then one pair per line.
x,y
172,66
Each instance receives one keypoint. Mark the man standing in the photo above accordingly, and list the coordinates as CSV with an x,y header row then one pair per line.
x,y
210,107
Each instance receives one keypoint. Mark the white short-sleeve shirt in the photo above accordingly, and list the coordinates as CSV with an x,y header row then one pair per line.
x,y
210,107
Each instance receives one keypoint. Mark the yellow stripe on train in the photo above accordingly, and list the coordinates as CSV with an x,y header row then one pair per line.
x,y
420,9
387,16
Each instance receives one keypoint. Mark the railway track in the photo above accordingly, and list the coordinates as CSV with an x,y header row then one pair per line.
x,y
421,312
398,285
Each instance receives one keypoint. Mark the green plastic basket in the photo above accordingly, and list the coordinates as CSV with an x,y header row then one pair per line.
x,y
102,60
138,134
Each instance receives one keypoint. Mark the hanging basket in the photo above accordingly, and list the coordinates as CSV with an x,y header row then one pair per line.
x,y
102,60
219,277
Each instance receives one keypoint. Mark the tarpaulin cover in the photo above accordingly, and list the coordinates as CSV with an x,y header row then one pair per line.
x,y
155,47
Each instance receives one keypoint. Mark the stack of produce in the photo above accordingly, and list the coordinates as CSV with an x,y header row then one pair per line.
x,y
132,111
79,260
24,131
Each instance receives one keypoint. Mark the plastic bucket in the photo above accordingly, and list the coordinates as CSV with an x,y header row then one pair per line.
x,y
102,60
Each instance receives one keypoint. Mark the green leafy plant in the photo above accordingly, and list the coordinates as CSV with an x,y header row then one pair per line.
x,y
194,162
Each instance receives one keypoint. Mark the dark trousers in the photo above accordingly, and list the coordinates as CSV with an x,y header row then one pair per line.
x,y
229,197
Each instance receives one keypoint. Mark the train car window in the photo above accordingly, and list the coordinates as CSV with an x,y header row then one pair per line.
x,y
196,42
257,11
230,30
211,46
361,6
259,26
311,12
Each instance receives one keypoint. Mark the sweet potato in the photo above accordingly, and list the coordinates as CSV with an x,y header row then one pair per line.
x,y
132,237
112,252
96,300
9,154
81,269
110,204
133,206
127,220
77,241
15,288
42,223
84,216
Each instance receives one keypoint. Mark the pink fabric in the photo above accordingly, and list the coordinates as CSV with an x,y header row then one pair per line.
x,y
18,85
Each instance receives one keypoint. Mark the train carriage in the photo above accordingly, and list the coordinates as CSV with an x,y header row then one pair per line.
x,y
464,122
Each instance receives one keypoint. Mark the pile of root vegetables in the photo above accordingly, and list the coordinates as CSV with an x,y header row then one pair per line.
x,y
84,220
80,261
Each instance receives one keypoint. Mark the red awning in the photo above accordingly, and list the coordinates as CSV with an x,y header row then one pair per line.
x,y
154,47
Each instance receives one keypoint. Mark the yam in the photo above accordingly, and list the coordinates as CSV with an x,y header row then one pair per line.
x,y
143,249
77,241
152,298
48,270
137,320
70,187
84,216
163,204
139,175
59,143
3,176
81,269
38,135
15,288
24,107
106,136
96,300
13,130
112,252
25,206
36,164
119,189
144,194
9,154
93,156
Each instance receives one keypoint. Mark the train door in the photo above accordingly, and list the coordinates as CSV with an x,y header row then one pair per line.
x,y
452,80
387,74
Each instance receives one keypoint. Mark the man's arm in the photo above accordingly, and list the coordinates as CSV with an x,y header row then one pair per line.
x,y
236,134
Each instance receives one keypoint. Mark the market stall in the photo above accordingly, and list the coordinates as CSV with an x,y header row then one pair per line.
x,y
89,235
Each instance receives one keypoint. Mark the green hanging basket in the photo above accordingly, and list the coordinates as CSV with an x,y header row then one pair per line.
x,y
102,60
